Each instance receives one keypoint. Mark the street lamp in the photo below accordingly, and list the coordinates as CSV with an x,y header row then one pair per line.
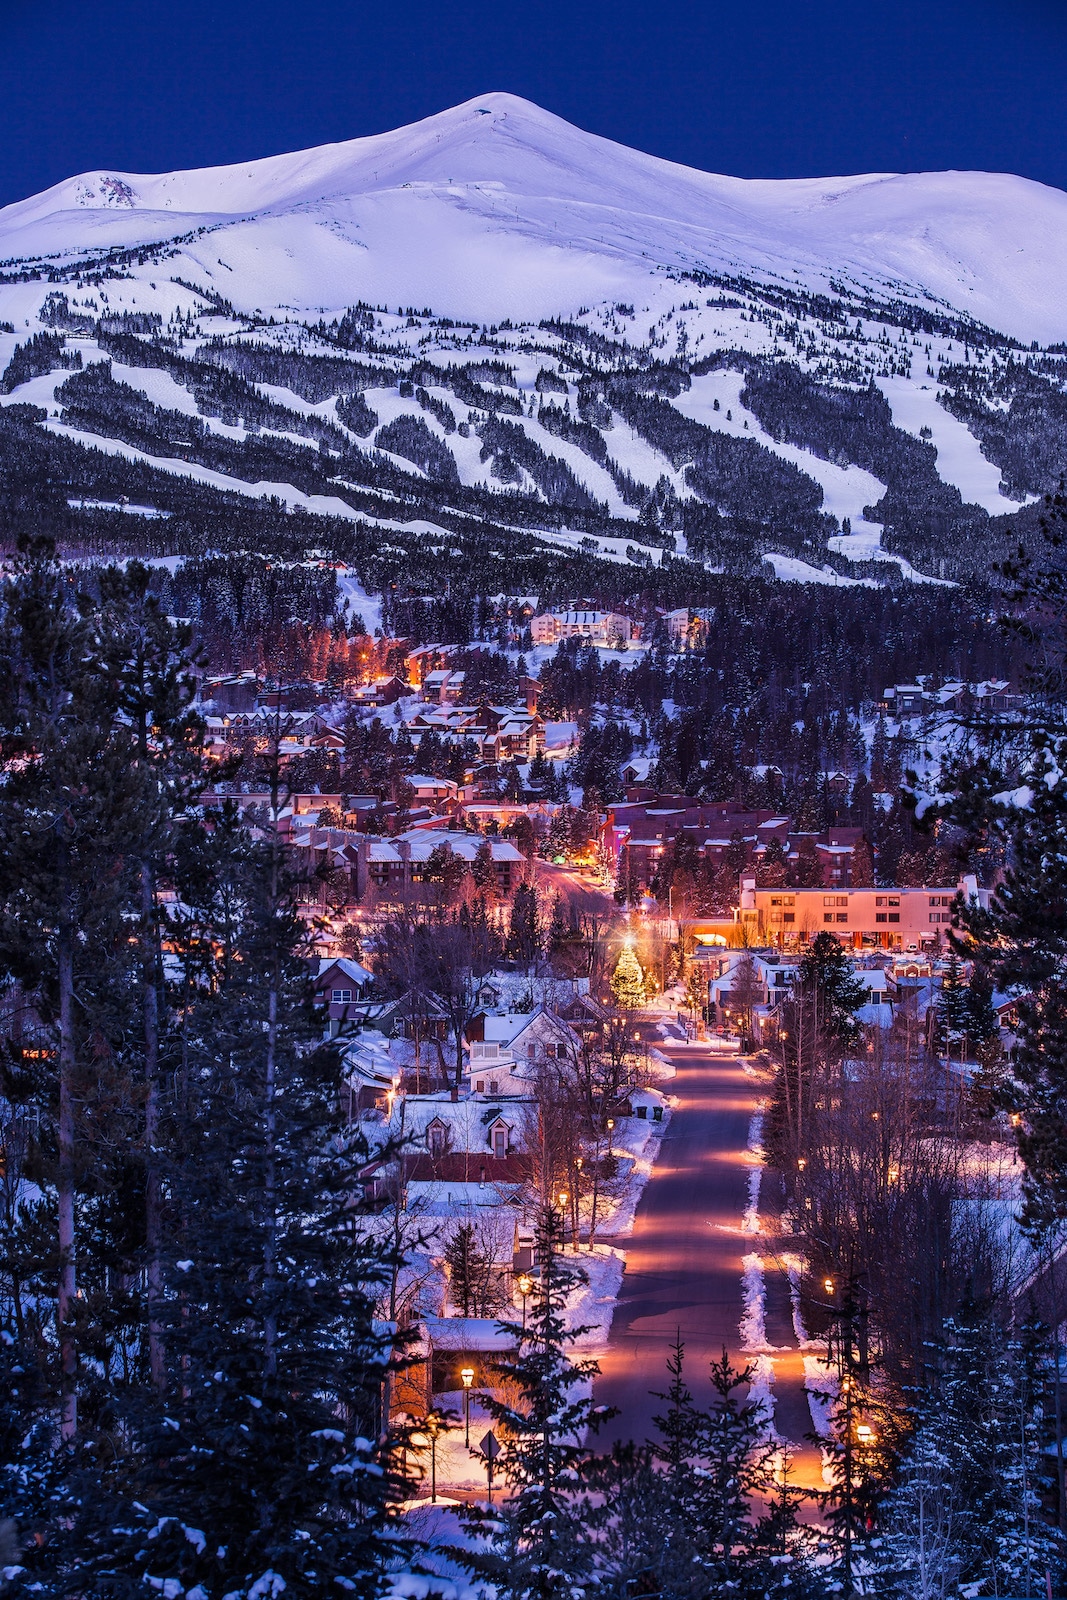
x,y
828,1285
611,1130
467,1374
524,1284
433,1428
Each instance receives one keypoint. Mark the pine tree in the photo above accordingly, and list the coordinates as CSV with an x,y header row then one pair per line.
x,y
966,1511
525,932
953,1011
468,1268
542,1539
71,803
628,981
268,1460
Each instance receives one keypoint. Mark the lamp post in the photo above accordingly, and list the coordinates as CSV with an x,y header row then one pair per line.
x,y
578,1161
433,1428
611,1130
467,1374
524,1284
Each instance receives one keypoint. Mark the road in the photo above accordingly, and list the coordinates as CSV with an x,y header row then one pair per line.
x,y
684,1260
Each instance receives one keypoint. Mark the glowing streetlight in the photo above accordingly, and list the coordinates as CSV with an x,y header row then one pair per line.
x,y
467,1375
524,1283
828,1285
434,1423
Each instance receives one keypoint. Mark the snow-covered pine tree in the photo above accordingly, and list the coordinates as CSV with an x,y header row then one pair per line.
x,y
541,1541
267,1464
966,1512
468,1271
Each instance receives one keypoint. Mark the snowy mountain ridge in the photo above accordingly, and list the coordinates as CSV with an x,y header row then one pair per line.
x,y
493,333
528,216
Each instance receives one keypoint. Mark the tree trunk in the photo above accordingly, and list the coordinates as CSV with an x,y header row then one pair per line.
x,y
68,1281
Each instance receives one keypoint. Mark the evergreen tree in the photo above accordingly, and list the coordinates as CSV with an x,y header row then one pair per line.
x,y
268,1462
525,933
468,1270
542,1539
966,1515
628,980
953,1011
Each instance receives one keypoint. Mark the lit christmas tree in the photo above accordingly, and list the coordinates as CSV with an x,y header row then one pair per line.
x,y
628,981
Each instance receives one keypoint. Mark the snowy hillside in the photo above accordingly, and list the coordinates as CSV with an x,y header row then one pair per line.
x,y
492,317
528,216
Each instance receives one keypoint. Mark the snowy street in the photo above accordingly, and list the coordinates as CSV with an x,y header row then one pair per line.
x,y
697,1262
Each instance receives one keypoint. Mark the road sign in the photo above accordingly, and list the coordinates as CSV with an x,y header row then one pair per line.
x,y
490,1445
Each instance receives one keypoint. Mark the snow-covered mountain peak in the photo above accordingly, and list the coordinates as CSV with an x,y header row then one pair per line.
x,y
497,208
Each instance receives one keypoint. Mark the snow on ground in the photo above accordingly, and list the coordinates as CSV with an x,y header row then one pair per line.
x,y
636,1142
846,490
960,461
359,601
322,505
789,569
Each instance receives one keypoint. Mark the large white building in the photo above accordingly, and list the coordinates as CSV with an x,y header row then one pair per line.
x,y
596,627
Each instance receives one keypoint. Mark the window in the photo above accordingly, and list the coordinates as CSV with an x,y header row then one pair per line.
x,y
879,916
482,1050
500,1142
829,900
894,900
479,1087
341,997
492,1086
894,916
828,916
776,917
789,916
531,1052
842,916
437,1138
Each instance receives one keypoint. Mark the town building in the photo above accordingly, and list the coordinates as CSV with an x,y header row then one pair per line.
x,y
592,627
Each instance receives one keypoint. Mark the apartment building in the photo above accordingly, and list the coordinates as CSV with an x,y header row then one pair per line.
x,y
888,918
594,627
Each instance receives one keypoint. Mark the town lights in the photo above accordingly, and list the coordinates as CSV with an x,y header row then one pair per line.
x,y
467,1375
866,1435
524,1283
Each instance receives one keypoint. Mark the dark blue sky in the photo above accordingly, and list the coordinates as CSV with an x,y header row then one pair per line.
x,y
773,88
